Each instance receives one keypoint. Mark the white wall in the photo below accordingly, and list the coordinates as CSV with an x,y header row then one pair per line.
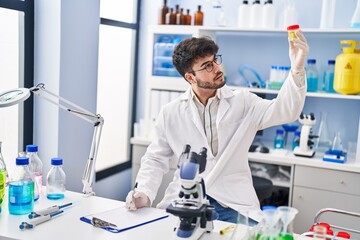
x,y
66,48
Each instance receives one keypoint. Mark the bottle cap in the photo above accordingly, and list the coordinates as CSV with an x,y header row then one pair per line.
x,y
279,131
22,161
343,235
331,61
311,61
56,161
31,148
267,207
297,133
293,27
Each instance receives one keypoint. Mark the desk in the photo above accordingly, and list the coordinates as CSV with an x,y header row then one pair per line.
x,y
69,226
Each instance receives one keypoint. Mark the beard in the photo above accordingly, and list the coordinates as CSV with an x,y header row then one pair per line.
x,y
211,85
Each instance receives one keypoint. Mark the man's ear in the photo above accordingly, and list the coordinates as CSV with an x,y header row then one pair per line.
x,y
189,77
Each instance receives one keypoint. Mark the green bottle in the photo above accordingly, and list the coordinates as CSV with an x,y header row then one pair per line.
x,y
2,177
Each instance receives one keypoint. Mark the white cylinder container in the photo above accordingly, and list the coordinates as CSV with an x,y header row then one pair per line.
x,y
268,16
327,14
244,15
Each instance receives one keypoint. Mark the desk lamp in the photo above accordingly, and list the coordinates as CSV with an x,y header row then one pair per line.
x,y
15,96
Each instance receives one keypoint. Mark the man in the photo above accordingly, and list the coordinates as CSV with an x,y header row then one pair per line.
x,y
211,115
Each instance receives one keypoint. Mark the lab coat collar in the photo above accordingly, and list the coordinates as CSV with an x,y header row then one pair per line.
x,y
222,93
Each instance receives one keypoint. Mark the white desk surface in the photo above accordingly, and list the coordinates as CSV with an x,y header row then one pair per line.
x,y
69,226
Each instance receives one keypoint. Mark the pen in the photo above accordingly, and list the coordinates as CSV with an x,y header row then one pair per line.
x,y
225,230
132,197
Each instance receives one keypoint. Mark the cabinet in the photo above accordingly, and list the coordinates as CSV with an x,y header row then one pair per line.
x,y
317,188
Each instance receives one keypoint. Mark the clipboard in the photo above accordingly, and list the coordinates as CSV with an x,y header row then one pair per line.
x,y
125,219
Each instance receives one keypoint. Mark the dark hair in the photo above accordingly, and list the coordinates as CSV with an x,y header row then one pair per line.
x,y
190,49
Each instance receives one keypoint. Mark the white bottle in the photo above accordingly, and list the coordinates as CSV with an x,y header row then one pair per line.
x,y
55,180
327,14
256,14
36,166
244,15
268,16
288,16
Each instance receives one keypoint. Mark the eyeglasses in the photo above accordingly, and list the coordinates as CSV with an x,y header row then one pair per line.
x,y
209,66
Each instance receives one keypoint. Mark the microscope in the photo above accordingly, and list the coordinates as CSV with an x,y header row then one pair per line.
x,y
305,148
192,207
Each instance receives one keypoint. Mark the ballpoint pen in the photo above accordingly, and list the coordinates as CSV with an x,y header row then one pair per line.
x,y
132,196
38,220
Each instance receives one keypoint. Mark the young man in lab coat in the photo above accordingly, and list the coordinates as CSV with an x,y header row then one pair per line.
x,y
211,115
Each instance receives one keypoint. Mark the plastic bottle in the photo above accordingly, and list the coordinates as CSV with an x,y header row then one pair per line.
x,y
288,16
268,16
256,14
328,78
312,76
244,15
279,139
219,13
327,14
188,17
296,140
21,188
163,11
355,20
55,180
36,166
199,17
3,177
291,31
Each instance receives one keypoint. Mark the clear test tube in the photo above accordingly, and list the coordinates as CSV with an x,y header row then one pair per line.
x,y
291,31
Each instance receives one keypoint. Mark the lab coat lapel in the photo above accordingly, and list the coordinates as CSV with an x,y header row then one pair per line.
x,y
224,105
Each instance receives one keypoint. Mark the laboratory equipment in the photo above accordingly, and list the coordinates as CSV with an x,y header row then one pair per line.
x,y
288,128
49,210
312,76
305,148
287,215
328,78
269,13
244,15
163,11
269,228
198,17
327,14
195,214
333,212
3,178
187,17
37,221
241,229
336,153
15,96
355,20
323,142
256,14
279,139
220,14
291,31
55,180
21,188
347,68
296,140
36,166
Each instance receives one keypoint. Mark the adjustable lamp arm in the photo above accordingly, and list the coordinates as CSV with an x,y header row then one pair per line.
x,y
96,119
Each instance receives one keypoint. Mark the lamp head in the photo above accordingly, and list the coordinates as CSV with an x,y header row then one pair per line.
x,y
13,96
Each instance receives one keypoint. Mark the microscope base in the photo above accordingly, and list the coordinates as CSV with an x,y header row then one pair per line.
x,y
301,153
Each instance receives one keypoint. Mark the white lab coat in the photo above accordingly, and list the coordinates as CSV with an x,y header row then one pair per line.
x,y
227,176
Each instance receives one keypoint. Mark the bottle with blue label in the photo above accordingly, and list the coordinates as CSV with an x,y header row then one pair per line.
x,y
312,76
328,79
36,167
279,139
21,188
55,180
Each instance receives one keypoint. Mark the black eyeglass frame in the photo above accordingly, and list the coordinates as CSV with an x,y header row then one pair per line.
x,y
209,66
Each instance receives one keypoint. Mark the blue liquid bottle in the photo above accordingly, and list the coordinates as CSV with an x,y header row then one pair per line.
x,y
296,140
328,79
279,139
55,180
312,76
21,188
36,166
